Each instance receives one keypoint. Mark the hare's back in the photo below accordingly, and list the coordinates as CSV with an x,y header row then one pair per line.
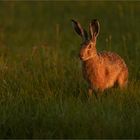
x,y
111,58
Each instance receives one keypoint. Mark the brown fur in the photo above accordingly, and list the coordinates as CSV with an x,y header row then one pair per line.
x,y
104,70
101,70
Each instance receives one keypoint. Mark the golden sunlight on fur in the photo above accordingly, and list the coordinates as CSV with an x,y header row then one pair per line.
x,y
101,70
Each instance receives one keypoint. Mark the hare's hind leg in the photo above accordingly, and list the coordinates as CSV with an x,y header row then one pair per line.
x,y
123,79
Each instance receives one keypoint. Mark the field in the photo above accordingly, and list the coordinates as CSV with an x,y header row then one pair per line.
x,y
42,90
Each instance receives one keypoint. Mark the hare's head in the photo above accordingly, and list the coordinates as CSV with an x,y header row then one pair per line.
x,y
88,46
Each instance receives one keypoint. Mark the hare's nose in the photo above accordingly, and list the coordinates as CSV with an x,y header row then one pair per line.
x,y
81,55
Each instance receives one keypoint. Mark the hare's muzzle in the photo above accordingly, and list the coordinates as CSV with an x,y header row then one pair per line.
x,y
81,56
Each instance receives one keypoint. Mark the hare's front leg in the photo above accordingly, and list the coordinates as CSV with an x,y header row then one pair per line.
x,y
91,92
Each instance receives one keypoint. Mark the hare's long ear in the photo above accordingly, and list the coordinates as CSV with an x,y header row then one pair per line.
x,y
94,28
79,30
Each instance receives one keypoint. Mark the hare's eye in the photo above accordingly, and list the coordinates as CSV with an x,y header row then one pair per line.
x,y
89,46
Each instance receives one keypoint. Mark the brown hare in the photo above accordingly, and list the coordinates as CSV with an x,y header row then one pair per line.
x,y
101,70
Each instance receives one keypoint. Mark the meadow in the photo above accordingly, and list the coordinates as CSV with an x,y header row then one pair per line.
x,y
42,90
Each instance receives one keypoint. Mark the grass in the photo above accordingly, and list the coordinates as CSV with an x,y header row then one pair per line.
x,y
42,91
